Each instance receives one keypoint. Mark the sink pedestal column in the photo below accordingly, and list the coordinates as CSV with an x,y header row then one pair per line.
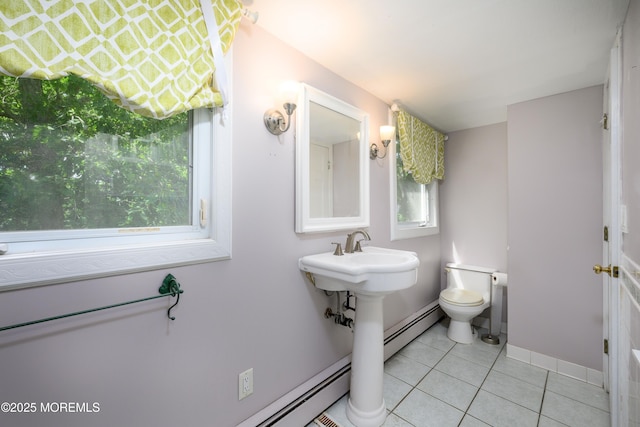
x,y
366,407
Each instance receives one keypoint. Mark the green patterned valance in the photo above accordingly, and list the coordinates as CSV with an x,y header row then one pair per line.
x,y
153,57
421,149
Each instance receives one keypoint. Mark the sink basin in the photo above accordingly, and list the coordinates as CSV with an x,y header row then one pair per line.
x,y
375,271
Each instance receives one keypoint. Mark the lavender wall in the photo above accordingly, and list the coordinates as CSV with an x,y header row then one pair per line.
x,y
254,311
473,201
473,197
555,226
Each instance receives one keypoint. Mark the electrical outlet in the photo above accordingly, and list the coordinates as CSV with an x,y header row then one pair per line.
x,y
245,384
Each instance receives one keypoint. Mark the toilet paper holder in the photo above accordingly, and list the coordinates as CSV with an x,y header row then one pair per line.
x,y
490,338
497,279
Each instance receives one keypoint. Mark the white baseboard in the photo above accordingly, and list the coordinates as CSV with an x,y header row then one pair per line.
x,y
302,404
559,366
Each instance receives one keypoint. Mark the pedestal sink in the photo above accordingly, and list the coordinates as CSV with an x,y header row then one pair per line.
x,y
370,275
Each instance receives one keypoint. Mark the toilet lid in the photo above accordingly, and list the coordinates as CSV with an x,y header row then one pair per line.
x,y
462,297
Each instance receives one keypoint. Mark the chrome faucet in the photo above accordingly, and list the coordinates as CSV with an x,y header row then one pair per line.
x,y
349,247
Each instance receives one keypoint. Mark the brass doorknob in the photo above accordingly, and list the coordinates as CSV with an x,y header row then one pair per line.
x,y
600,269
609,270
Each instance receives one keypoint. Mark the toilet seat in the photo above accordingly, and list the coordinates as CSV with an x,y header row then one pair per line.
x,y
462,297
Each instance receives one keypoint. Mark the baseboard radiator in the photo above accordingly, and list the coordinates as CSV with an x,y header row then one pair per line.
x,y
301,405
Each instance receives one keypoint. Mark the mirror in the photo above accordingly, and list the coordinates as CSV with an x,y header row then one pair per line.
x,y
332,171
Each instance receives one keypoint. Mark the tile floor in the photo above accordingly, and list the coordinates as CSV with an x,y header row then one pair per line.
x,y
434,381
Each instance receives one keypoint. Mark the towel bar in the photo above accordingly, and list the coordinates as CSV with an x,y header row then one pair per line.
x,y
170,287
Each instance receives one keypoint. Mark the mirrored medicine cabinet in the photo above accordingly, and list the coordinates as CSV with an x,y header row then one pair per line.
x,y
332,171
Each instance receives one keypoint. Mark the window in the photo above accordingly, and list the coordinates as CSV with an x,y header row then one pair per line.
x,y
414,207
89,189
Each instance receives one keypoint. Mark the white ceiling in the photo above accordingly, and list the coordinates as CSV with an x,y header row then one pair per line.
x,y
455,64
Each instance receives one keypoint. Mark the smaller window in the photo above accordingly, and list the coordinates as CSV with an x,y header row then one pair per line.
x,y
414,207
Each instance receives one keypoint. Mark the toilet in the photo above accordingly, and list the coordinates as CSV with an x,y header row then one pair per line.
x,y
468,294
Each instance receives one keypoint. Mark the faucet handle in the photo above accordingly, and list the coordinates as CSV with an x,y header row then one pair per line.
x,y
358,247
338,251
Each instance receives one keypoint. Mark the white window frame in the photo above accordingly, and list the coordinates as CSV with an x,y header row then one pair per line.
x,y
411,230
57,261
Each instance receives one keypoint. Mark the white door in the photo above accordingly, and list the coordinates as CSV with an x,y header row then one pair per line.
x,y
611,228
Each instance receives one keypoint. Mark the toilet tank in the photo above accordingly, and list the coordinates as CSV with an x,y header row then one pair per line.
x,y
470,277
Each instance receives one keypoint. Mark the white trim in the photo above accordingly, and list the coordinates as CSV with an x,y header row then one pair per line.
x,y
628,273
21,271
616,372
36,269
562,367
304,223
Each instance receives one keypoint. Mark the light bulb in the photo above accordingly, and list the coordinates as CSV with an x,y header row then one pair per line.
x,y
387,133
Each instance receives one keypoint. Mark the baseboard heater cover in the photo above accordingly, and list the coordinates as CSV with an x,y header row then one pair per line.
x,y
410,323
321,382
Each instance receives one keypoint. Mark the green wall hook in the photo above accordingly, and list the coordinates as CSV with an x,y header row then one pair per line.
x,y
170,286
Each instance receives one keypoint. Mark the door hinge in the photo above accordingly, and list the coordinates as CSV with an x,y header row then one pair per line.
x,y
606,346
606,233
605,121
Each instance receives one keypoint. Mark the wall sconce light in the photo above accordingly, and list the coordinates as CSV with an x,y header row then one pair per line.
x,y
387,133
273,119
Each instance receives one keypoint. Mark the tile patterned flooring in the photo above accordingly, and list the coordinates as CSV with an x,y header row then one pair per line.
x,y
434,381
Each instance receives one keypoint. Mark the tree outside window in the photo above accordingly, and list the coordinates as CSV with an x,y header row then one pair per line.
x,y
71,159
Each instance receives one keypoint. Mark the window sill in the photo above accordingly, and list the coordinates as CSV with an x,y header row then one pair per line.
x,y
37,269
409,233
